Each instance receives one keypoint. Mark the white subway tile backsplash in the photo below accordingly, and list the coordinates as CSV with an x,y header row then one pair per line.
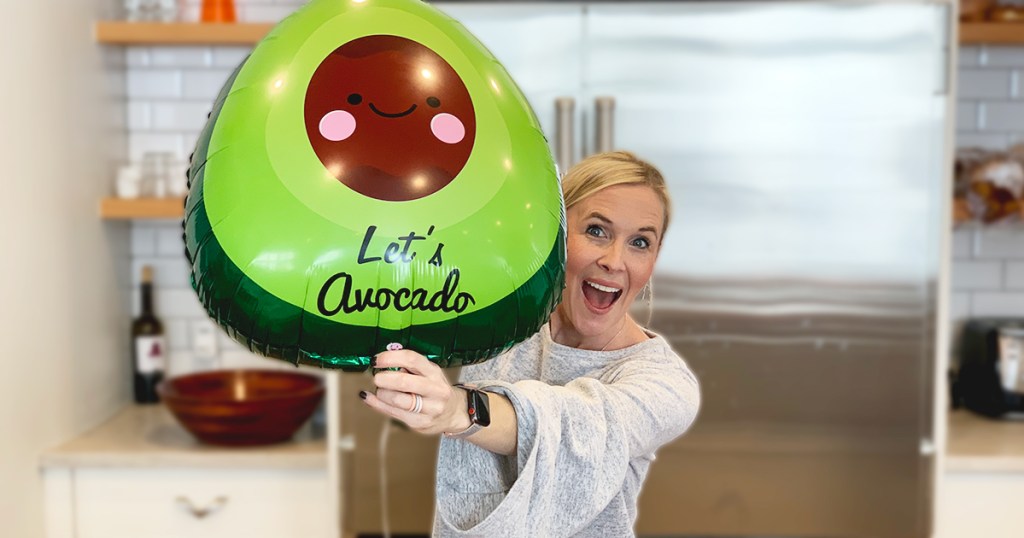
x,y
959,306
993,141
137,57
986,275
967,115
1004,56
170,303
143,239
149,84
1000,242
179,303
264,13
179,362
1004,116
229,56
140,143
177,57
962,243
969,56
139,117
169,242
180,116
983,84
997,304
168,272
204,85
239,357
177,334
1015,275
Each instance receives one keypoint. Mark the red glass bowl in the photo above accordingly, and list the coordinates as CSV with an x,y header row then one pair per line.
x,y
242,407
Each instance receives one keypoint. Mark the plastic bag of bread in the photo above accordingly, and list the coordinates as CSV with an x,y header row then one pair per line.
x,y
996,187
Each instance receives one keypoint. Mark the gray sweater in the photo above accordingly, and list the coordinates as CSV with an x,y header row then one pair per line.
x,y
589,423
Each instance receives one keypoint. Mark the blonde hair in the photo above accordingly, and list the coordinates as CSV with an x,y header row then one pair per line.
x,y
603,170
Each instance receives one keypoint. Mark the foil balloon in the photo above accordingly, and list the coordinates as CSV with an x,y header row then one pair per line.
x,y
371,174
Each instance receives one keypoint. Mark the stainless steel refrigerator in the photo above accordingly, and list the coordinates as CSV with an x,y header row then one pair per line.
x,y
808,150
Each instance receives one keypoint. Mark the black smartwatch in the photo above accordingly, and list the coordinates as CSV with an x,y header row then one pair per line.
x,y
478,409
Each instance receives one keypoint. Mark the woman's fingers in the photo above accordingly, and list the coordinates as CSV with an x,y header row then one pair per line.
x,y
406,401
410,360
411,383
416,421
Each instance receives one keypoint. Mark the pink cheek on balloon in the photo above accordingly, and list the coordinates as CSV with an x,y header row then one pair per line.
x,y
337,125
447,128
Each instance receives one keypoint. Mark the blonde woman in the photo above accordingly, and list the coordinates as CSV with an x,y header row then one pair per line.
x,y
555,437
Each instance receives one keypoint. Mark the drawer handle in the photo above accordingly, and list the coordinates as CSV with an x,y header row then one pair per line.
x,y
200,513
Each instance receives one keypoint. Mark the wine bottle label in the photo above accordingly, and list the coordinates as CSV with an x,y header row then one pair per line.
x,y
149,353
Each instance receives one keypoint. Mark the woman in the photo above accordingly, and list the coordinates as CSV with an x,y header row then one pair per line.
x,y
576,411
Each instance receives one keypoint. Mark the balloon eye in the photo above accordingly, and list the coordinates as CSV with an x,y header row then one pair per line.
x,y
355,99
433,102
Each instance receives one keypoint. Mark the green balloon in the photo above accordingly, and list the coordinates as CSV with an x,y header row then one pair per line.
x,y
371,174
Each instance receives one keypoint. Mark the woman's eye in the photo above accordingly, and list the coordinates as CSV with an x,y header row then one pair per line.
x,y
595,231
641,242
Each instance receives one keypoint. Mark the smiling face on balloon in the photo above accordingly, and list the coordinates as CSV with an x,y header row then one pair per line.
x,y
389,118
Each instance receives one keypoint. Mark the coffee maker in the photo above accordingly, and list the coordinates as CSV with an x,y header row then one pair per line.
x,y
990,380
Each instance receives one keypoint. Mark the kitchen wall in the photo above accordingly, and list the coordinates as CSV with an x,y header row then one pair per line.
x,y
170,90
988,262
64,341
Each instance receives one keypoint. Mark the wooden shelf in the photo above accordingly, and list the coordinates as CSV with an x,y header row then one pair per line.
x,y
997,33
180,33
142,208
194,33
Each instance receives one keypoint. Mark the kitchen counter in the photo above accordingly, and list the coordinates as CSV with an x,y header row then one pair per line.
x,y
149,436
977,443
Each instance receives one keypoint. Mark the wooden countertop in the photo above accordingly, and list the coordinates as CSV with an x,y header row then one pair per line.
x,y
149,436
977,443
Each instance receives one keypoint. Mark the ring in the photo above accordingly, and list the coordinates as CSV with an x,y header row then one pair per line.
x,y
417,405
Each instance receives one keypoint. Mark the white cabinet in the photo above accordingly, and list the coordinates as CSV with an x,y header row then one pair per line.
x,y
980,503
197,503
141,475
983,479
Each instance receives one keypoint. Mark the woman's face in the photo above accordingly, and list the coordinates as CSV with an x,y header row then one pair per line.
x,y
612,242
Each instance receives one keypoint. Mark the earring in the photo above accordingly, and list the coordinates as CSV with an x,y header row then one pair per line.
x,y
648,295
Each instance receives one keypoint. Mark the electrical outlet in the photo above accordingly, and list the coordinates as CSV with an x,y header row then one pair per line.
x,y
204,339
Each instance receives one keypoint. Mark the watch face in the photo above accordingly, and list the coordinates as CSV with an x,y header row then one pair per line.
x,y
479,410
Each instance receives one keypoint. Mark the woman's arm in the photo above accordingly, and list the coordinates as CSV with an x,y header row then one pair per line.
x,y
444,406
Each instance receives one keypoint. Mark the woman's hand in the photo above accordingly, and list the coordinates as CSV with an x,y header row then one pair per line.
x,y
442,407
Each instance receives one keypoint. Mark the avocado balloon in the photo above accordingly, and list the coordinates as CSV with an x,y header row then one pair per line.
x,y
371,174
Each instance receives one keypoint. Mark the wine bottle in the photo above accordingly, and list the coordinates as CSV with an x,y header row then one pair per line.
x,y
149,346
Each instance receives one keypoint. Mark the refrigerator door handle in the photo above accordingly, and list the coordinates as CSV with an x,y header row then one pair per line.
x,y
565,112
604,124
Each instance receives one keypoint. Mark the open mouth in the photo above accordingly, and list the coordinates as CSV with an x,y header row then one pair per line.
x,y
389,115
600,297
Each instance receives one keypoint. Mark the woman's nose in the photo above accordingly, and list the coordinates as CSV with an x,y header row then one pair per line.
x,y
611,259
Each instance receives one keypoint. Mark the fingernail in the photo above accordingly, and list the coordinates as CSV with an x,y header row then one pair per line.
x,y
362,394
394,346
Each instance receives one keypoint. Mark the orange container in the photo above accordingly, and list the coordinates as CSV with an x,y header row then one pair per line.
x,y
218,11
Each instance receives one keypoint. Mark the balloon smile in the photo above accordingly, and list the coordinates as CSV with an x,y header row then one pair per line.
x,y
397,115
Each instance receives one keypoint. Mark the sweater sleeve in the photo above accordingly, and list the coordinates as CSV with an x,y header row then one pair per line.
x,y
575,444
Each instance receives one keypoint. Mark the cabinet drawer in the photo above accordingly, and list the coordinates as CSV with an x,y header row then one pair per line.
x,y
151,503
